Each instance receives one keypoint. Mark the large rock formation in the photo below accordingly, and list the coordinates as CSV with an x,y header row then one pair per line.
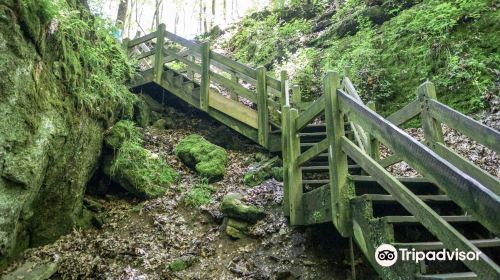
x,y
49,147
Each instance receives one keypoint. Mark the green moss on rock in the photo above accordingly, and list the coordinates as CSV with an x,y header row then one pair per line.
x,y
122,131
233,207
141,172
207,159
263,170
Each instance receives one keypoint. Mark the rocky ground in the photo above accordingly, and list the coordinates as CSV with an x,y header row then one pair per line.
x,y
145,239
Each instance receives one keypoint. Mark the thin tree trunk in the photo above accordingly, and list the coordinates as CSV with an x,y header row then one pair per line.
x,y
224,7
212,20
201,16
205,27
122,13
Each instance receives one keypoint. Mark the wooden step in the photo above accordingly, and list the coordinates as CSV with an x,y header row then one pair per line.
x,y
325,168
413,220
449,276
432,246
387,198
418,185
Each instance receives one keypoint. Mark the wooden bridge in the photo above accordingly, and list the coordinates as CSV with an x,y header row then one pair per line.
x,y
331,153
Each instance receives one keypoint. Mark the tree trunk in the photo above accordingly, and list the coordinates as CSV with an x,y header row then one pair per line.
x,y
122,13
212,20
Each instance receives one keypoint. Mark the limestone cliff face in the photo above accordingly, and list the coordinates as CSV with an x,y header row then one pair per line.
x,y
48,148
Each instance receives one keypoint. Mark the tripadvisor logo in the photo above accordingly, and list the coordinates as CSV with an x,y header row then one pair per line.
x,y
386,255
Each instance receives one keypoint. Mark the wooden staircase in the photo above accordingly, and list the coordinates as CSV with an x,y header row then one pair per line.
x,y
333,168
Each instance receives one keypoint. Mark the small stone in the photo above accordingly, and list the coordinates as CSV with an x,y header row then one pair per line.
x,y
233,207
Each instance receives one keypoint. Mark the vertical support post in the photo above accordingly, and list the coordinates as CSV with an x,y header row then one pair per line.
x,y
432,128
374,145
296,97
295,190
337,158
160,41
283,88
234,95
262,110
285,121
205,76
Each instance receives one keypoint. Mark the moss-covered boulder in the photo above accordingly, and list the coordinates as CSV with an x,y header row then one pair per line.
x,y
233,207
235,228
141,172
121,132
207,159
263,170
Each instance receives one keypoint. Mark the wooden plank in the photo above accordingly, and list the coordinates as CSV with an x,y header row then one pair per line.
x,y
484,266
449,276
468,167
312,152
285,115
145,54
465,191
406,113
311,112
184,42
337,158
466,125
436,245
235,79
262,110
205,76
294,174
414,220
391,198
158,63
432,128
234,65
233,109
234,87
273,83
390,160
317,206
134,42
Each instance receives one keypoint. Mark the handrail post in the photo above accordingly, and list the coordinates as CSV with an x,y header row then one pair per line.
x,y
374,145
285,121
295,191
432,128
160,41
283,88
337,158
205,76
262,110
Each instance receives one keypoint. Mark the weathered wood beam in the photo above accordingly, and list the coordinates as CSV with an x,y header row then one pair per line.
x,y
295,176
337,159
160,41
311,112
262,109
406,113
205,76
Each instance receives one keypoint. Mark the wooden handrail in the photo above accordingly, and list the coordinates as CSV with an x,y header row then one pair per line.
x,y
466,191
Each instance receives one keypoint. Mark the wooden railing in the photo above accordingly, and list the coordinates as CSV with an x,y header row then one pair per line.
x,y
466,184
211,69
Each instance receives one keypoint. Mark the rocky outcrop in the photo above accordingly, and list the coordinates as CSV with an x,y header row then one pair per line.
x,y
49,147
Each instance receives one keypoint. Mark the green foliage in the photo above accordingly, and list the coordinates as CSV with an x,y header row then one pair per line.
x,y
260,42
178,265
201,194
208,159
93,64
453,43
